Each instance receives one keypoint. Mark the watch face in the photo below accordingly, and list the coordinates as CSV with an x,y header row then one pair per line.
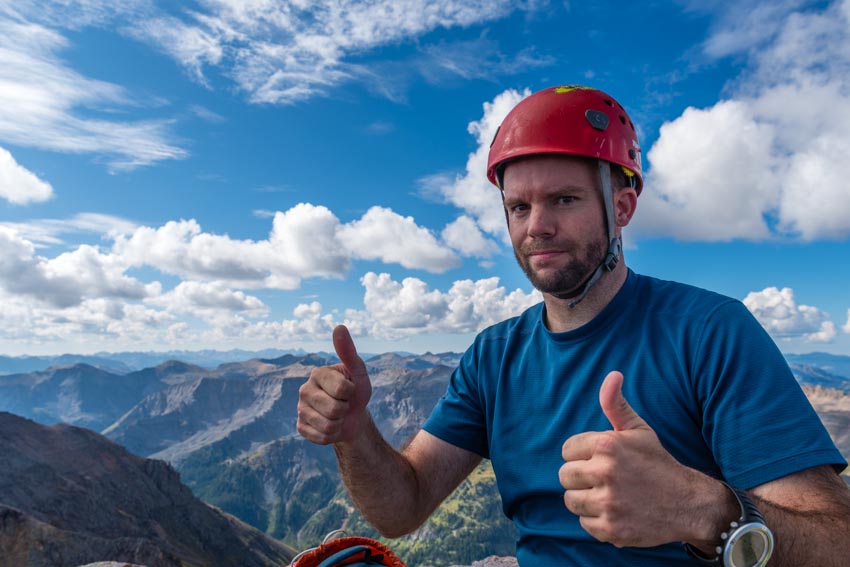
x,y
750,548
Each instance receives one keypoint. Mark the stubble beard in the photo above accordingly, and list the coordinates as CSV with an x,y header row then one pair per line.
x,y
570,276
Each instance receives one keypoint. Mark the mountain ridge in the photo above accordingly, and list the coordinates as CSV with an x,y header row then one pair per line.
x,y
60,484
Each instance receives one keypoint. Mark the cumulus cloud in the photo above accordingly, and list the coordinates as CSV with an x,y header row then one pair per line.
x,y
763,163
302,244
471,191
846,327
202,298
18,185
778,312
397,309
382,234
29,322
392,310
464,236
67,279
306,241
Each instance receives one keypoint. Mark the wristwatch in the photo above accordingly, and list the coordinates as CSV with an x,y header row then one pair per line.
x,y
747,543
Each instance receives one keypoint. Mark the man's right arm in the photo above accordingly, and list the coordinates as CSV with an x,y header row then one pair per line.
x,y
395,491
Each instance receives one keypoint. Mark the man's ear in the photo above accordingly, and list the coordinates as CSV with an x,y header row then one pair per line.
x,y
625,204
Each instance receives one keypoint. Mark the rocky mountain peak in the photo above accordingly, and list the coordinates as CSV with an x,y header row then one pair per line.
x,y
69,496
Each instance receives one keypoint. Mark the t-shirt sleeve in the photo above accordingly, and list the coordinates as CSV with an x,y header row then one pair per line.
x,y
756,418
459,418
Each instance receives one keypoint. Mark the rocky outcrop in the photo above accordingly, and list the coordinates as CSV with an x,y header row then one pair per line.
x,y
833,407
69,496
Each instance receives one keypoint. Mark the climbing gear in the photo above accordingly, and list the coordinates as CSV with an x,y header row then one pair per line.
x,y
579,121
337,550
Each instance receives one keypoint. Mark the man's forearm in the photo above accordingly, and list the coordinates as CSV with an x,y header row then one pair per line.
x,y
807,538
381,481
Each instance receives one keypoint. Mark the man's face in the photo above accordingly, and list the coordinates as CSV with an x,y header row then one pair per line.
x,y
556,220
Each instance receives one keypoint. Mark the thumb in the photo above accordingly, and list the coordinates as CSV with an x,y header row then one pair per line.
x,y
614,405
347,353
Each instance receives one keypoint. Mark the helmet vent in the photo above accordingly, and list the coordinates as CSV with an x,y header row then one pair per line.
x,y
622,120
608,102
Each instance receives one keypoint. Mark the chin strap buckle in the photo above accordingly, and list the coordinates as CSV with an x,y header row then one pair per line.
x,y
612,258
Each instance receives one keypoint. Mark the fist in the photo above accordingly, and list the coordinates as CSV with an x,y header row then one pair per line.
x,y
624,486
332,402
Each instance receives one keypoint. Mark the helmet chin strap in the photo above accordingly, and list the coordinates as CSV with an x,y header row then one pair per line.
x,y
615,244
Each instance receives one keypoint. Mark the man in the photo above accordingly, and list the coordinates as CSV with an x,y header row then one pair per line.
x,y
624,415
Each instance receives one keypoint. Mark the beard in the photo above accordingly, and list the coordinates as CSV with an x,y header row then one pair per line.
x,y
570,276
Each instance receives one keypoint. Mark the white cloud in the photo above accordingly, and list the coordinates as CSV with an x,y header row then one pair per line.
x,y
45,104
31,323
209,298
392,310
464,236
779,313
472,192
305,241
400,309
283,52
192,46
763,163
846,327
382,234
711,175
67,279
18,185
49,231
479,58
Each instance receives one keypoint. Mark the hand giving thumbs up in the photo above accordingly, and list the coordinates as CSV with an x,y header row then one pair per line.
x,y
624,486
332,402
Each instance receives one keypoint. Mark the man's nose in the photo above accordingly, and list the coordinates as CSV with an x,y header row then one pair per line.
x,y
541,223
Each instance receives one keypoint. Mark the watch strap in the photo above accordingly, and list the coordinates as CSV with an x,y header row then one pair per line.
x,y
749,513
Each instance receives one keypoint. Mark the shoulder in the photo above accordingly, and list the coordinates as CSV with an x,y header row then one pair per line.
x,y
671,301
493,342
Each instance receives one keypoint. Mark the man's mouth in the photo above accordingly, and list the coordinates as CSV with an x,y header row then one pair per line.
x,y
543,255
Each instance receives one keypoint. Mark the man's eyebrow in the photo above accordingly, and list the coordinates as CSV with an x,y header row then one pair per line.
x,y
570,190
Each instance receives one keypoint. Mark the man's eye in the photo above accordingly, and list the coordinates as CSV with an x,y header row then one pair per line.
x,y
566,200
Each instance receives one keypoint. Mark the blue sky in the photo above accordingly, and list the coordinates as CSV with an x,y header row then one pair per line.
x,y
247,174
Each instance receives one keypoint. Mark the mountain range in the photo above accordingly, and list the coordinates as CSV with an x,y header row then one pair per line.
x,y
229,430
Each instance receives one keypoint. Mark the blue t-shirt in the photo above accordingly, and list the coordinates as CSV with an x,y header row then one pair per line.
x,y
698,368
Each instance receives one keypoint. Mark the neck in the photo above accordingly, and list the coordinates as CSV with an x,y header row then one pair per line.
x,y
560,317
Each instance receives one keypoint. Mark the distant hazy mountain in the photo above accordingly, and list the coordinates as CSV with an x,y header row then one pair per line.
x,y
812,375
123,362
835,364
84,395
69,496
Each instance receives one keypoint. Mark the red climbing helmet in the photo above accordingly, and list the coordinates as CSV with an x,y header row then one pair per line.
x,y
572,120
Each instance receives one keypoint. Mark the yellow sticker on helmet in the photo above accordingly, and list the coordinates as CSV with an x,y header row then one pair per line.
x,y
571,88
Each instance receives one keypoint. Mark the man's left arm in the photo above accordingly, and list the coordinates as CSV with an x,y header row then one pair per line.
x,y
629,491
809,514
